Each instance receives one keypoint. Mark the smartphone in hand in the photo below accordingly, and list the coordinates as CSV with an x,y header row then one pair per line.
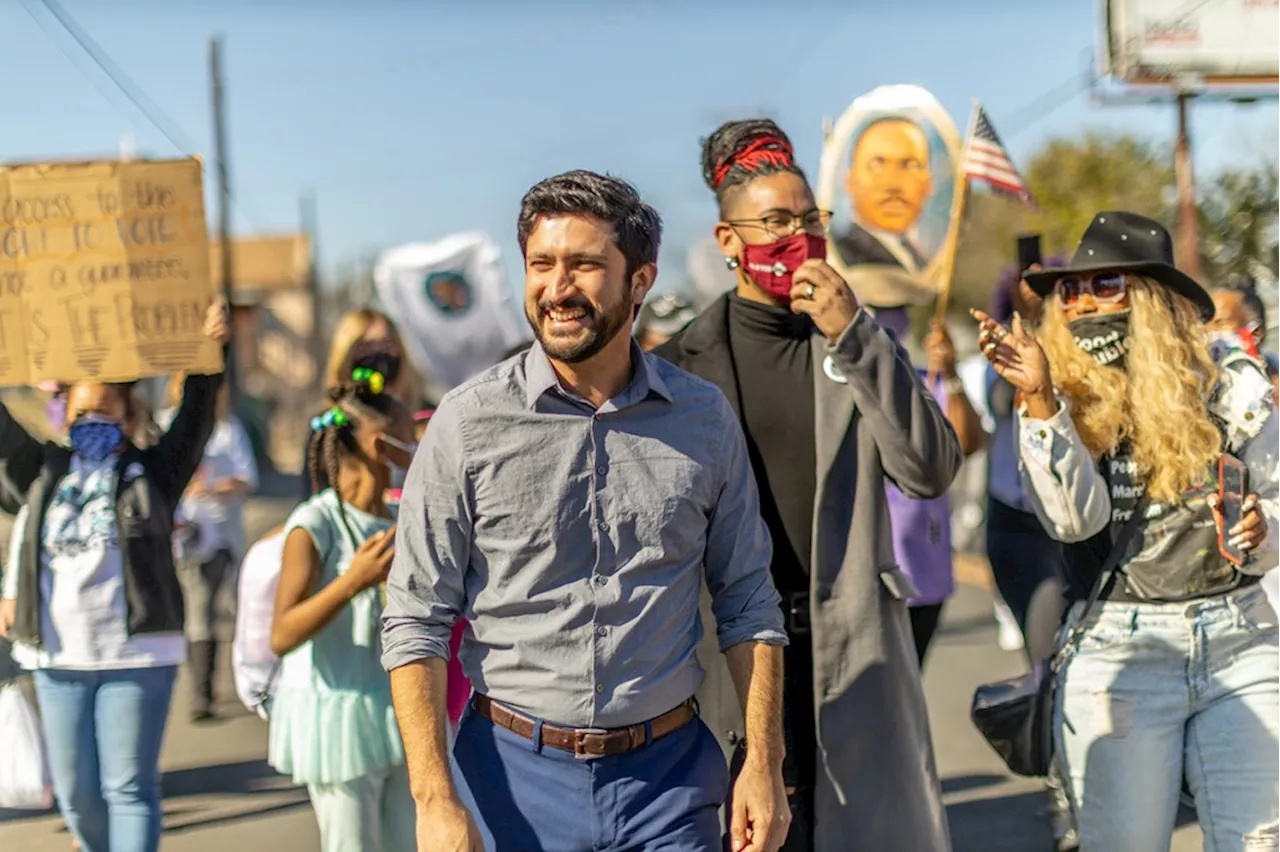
x,y
1028,252
1233,488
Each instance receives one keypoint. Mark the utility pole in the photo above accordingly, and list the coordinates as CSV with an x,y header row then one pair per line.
x,y
224,207
1188,245
315,342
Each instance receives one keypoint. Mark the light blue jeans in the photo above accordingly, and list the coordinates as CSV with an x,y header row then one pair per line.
x,y
103,731
1159,690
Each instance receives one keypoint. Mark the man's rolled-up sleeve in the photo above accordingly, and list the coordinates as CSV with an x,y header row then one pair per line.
x,y
425,590
743,598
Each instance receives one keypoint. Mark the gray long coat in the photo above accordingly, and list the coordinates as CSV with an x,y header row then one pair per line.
x,y
877,786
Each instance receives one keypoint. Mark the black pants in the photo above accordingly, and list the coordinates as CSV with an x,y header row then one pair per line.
x,y
1028,569
924,623
799,731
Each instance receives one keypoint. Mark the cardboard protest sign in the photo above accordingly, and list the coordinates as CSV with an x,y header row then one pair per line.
x,y
104,271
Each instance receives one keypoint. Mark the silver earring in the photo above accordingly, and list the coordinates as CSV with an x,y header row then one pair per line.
x,y
731,262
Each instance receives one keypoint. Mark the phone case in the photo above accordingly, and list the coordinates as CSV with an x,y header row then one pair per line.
x,y
1235,557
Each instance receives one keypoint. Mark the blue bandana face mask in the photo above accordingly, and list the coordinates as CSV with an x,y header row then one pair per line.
x,y
95,439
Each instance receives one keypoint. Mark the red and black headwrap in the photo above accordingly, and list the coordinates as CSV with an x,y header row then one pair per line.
x,y
771,150
740,150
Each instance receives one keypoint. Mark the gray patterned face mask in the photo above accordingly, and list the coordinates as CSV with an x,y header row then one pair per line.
x,y
1104,336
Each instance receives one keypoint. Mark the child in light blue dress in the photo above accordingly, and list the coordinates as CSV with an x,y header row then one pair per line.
x,y
332,723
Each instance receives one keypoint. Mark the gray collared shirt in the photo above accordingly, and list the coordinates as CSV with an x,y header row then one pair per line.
x,y
575,541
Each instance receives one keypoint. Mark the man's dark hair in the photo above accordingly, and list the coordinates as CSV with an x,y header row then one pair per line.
x,y
637,227
1249,296
739,151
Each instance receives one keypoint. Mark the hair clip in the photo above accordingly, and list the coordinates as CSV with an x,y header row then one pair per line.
x,y
333,417
367,375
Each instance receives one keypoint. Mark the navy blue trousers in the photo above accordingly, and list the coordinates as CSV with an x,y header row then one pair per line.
x,y
664,796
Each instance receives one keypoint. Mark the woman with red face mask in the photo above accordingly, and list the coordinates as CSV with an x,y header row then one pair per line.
x,y
831,407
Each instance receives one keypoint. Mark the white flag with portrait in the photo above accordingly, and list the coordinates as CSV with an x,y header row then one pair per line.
x,y
450,301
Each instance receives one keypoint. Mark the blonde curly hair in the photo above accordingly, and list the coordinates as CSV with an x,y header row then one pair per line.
x,y
1158,403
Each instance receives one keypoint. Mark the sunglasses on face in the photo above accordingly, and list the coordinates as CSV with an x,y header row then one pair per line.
x,y
1106,288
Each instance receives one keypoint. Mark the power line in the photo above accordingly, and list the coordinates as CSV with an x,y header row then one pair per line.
x,y
77,60
1045,104
159,119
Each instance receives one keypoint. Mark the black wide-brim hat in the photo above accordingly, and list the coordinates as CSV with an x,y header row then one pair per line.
x,y
1126,242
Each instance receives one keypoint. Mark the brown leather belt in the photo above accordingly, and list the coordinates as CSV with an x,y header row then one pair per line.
x,y
587,743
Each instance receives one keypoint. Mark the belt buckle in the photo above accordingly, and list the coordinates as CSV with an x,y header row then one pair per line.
x,y
579,740
798,612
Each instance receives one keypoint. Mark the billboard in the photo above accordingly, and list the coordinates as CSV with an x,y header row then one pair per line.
x,y
1218,42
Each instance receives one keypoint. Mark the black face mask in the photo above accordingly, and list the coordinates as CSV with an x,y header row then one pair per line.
x,y
1104,336
382,362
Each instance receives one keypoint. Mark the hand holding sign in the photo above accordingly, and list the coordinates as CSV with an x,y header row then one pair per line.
x,y
104,272
217,322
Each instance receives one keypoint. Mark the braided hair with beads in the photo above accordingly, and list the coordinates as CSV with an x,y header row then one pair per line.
x,y
363,398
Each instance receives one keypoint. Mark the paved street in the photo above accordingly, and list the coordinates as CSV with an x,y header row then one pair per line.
x,y
220,795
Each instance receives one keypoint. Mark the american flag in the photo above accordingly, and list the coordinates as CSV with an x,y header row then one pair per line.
x,y
987,160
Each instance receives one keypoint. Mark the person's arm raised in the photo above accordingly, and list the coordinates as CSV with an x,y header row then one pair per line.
x,y
1067,491
960,411
21,457
181,447
919,449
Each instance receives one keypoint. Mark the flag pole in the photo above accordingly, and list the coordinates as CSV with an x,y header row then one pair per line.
x,y
957,212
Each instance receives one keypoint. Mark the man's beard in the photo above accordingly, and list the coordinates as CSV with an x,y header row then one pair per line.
x,y
601,328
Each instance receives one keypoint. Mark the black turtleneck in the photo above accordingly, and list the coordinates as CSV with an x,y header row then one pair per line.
x,y
773,360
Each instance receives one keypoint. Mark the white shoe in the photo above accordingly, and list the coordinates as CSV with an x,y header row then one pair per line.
x,y
1009,635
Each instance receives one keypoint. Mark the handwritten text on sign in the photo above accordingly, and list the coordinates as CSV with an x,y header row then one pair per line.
x,y
104,271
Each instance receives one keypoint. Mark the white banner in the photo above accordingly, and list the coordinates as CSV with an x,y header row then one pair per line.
x,y
450,301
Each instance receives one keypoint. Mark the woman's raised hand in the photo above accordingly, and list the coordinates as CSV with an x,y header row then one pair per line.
x,y
1015,354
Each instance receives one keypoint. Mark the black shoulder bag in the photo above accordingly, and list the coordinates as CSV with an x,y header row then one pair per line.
x,y
1016,715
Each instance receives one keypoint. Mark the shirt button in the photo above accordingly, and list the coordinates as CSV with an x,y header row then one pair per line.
x,y
601,470
602,631
601,579
599,689
604,526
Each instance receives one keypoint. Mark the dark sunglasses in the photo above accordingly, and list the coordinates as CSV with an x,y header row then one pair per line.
x,y
1106,288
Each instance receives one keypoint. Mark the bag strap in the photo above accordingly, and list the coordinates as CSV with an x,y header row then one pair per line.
x,y
1110,567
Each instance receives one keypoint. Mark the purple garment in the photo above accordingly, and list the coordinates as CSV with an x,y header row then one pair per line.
x,y
921,528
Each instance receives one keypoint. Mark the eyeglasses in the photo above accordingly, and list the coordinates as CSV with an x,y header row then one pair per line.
x,y
783,223
1106,288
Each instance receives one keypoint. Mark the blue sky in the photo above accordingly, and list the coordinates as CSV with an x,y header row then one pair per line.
x,y
413,120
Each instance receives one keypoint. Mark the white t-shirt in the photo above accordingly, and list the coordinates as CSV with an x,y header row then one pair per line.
x,y
82,603
220,519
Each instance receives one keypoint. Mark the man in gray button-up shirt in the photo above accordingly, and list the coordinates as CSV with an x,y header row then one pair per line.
x,y
570,503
